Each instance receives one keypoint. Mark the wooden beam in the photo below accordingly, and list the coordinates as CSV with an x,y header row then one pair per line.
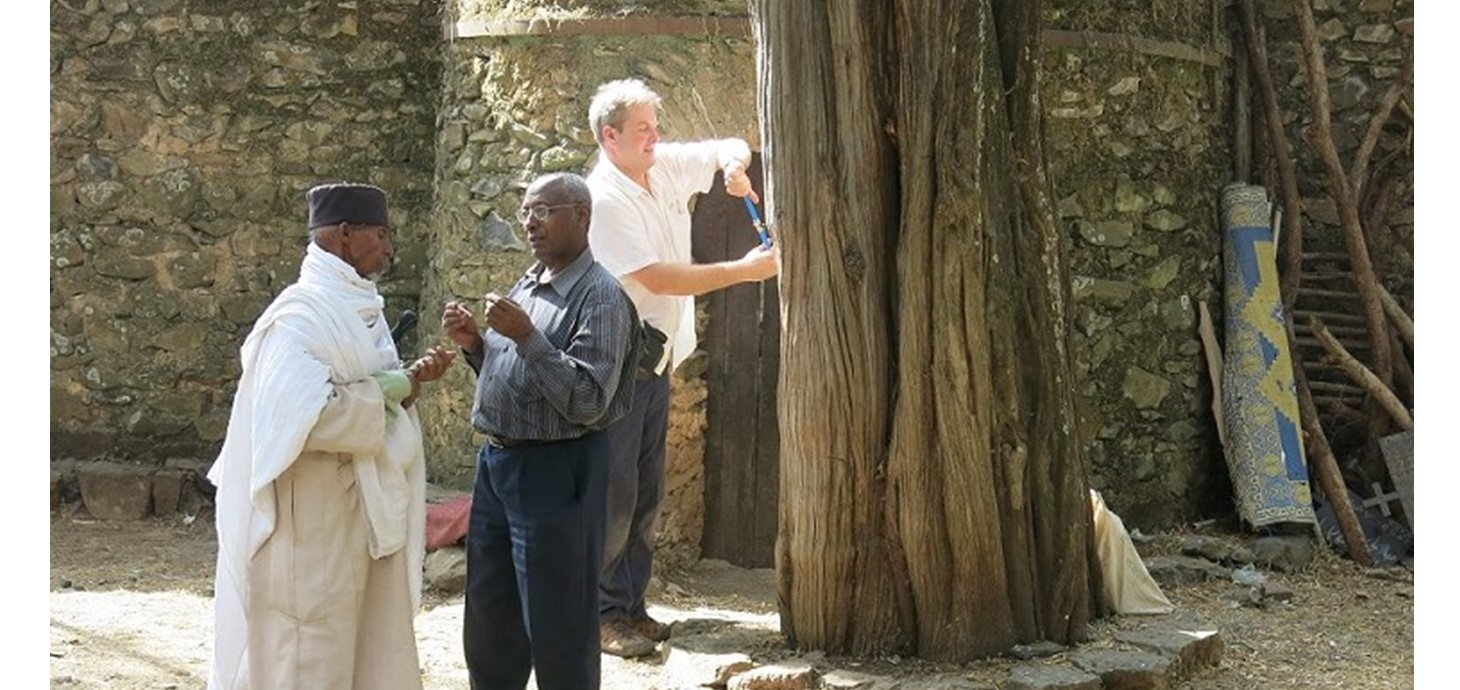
x,y
600,26
1125,43
740,27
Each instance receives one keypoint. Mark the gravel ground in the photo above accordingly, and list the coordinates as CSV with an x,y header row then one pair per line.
x,y
130,607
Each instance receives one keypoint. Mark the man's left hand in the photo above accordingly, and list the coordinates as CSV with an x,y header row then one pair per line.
x,y
506,317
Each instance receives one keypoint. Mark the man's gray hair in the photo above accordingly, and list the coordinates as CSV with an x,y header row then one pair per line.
x,y
612,101
573,185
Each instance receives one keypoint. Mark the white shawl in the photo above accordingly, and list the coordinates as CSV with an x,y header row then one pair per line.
x,y
325,329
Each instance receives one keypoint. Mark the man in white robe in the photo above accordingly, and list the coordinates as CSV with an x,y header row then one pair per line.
x,y
321,480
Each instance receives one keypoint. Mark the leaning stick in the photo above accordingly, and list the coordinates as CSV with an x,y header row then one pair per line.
x,y
1358,175
1291,247
1402,322
1320,454
1361,375
1214,368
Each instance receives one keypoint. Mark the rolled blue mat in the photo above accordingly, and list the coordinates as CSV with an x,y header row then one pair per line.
x,y
1259,400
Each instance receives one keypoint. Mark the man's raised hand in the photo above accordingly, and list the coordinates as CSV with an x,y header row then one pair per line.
x,y
461,327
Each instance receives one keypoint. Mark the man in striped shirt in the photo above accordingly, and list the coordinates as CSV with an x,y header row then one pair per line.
x,y
549,372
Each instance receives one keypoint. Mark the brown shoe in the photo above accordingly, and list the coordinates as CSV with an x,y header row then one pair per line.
x,y
650,628
619,639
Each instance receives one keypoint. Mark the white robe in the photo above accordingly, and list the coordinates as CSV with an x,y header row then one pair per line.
x,y
324,331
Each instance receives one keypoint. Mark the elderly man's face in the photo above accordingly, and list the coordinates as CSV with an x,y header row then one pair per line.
x,y
368,248
561,233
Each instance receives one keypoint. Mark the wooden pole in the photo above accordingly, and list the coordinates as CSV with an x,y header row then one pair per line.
x,y
1241,117
1291,246
1402,323
1403,371
1358,177
1361,375
1214,368
1342,192
1320,455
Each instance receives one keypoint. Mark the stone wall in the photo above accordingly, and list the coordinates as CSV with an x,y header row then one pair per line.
x,y
515,107
1140,151
183,136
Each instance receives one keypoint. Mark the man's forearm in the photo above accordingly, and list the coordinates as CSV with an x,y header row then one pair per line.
x,y
690,279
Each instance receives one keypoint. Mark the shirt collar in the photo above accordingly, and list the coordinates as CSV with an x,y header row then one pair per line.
x,y
562,282
619,179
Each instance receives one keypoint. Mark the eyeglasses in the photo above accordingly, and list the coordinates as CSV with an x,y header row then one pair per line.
x,y
539,212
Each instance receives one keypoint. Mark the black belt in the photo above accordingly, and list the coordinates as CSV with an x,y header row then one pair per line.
x,y
498,442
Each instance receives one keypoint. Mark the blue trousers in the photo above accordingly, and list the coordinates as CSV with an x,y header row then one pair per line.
x,y
533,546
635,492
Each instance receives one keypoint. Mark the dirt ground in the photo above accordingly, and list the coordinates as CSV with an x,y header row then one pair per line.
x,y
131,607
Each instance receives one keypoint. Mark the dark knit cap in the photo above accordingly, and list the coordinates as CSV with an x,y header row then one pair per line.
x,y
357,204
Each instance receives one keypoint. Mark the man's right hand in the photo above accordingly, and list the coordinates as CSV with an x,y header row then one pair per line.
x,y
461,327
759,263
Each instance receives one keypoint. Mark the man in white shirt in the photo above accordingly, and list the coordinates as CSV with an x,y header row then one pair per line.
x,y
640,232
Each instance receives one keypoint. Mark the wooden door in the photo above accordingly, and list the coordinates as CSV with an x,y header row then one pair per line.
x,y
742,340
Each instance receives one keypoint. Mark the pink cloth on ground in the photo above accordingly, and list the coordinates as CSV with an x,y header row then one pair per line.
x,y
446,522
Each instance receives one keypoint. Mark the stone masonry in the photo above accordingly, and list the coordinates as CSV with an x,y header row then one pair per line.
x,y
184,134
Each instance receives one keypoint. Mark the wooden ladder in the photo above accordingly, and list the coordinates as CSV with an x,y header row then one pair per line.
x,y
1326,290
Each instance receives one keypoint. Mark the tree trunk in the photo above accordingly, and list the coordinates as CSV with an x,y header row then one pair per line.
x,y
935,499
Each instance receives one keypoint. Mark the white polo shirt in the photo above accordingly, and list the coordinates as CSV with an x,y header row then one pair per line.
x,y
632,228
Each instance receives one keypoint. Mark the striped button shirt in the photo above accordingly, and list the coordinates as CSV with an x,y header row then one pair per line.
x,y
563,379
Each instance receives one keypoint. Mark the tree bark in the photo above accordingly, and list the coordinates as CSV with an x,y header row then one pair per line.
x,y
926,398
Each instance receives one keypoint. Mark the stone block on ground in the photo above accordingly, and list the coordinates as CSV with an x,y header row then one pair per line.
x,y
113,491
1192,650
943,683
717,636
843,679
1276,591
1288,553
1169,571
1035,650
1216,551
1038,676
1120,670
709,652
688,669
776,677
167,488
446,569
1242,596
